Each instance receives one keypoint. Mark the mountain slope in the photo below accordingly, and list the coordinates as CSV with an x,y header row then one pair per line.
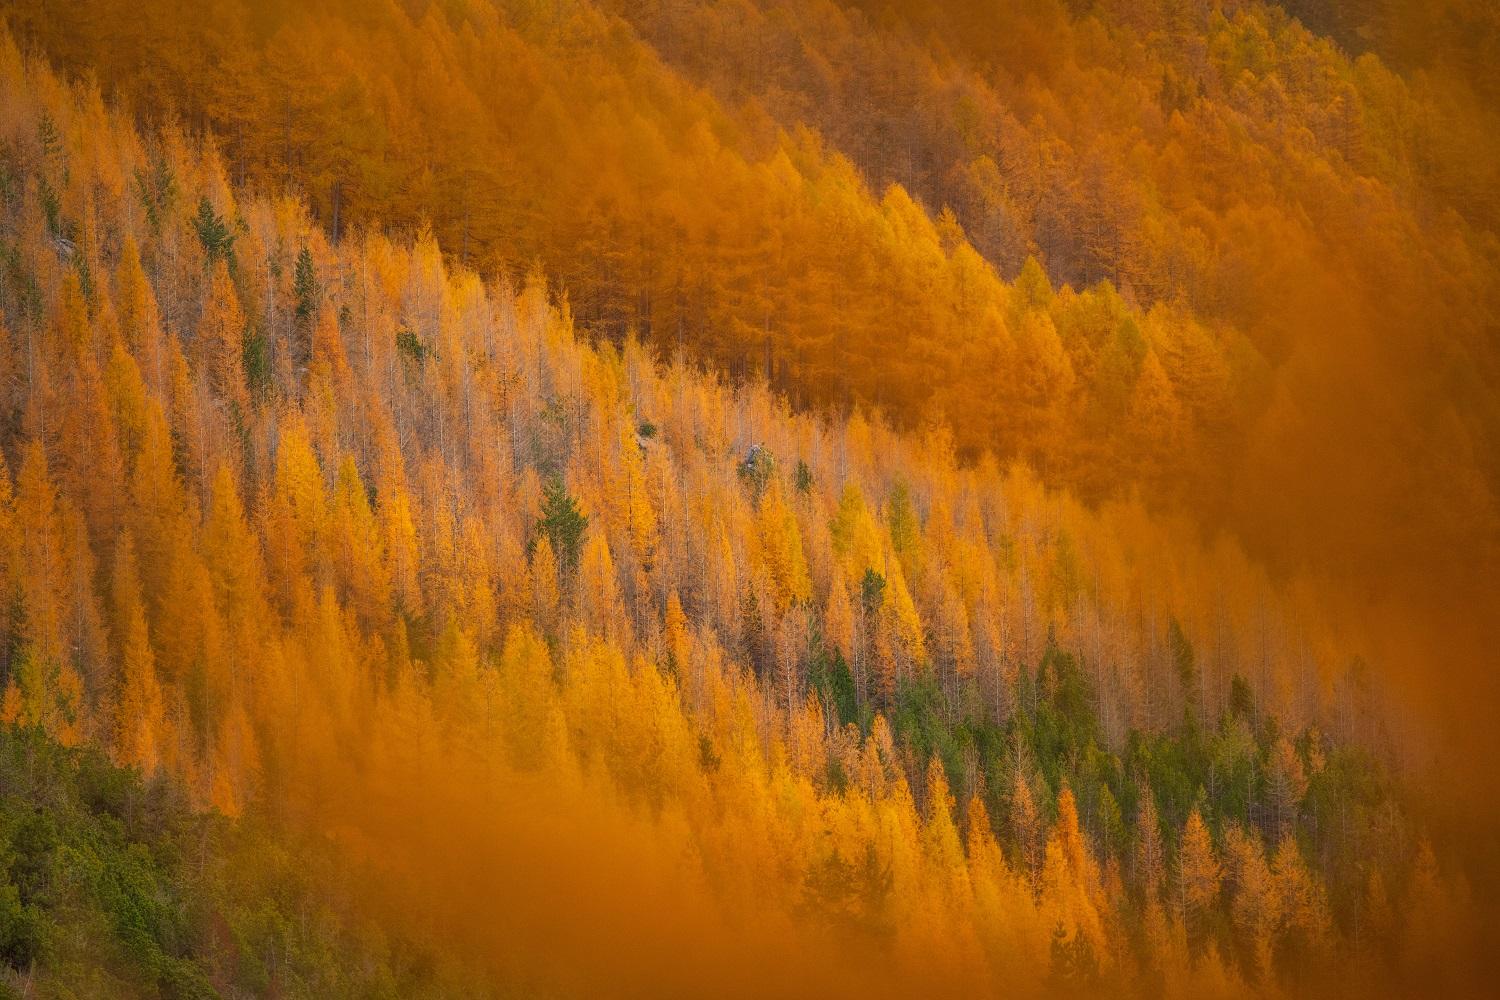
x,y
1291,251
615,676
1271,211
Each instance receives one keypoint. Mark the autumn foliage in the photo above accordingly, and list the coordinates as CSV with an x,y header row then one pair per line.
x,y
364,475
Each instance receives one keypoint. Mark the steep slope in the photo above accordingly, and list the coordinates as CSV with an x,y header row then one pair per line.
x,y
616,677
1290,253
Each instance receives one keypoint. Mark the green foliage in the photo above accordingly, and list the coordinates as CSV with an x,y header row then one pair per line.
x,y
1241,700
113,888
1350,819
257,363
1174,767
1074,967
1063,722
1183,661
1231,769
871,591
919,721
19,285
562,523
23,932
305,286
48,136
850,896
1113,833
10,181
213,232
411,347
902,520
58,228
157,189
830,677
803,478
755,470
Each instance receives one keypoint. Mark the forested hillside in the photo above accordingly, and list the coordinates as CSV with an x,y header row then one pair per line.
x,y
619,675
1263,291
743,498
1239,206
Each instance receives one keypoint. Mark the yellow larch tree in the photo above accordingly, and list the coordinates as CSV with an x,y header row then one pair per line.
x,y
675,637
856,536
1304,902
219,344
91,470
34,691
128,401
139,709
1256,905
545,598
640,511
838,619
599,588
1070,884
779,550
1150,857
1199,874
1026,825
940,838
398,524
139,320
232,556
295,512
905,623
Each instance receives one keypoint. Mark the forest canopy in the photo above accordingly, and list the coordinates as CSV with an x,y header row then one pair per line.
x,y
945,496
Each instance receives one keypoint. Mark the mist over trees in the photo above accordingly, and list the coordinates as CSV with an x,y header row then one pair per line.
x,y
740,497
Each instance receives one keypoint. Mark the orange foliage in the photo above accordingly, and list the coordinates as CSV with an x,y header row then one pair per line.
x,y
327,595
